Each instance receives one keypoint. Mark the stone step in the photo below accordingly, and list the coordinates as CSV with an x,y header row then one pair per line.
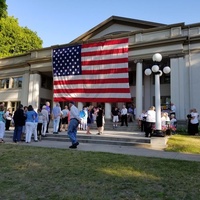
x,y
132,126
109,138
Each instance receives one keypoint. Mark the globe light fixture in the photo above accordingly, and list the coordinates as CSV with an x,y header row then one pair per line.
x,y
157,58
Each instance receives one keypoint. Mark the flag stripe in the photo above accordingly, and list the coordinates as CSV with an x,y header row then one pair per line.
x,y
90,81
87,86
104,62
91,99
96,90
104,52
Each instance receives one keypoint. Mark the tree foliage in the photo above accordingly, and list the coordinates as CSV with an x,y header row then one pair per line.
x,y
3,8
15,40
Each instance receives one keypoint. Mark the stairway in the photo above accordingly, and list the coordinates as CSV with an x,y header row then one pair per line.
x,y
119,136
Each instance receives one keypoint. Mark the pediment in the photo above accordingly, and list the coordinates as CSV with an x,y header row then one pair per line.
x,y
115,25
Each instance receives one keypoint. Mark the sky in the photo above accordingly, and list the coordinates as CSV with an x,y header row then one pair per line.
x,y
60,21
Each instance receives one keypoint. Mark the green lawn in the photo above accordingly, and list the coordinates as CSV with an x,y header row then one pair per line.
x,y
184,144
58,174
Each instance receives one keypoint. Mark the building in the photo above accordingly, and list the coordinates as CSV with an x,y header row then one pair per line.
x,y
27,78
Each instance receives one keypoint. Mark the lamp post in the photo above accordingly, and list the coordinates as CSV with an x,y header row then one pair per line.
x,y
157,72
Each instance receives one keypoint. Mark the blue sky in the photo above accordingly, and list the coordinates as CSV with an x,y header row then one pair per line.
x,y
60,21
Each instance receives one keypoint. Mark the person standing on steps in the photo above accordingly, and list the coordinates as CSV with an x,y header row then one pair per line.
x,y
150,121
45,120
56,113
75,120
49,113
100,120
115,116
8,118
19,121
124,116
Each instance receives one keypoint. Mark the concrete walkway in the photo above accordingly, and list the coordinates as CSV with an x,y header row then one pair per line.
x,y
128,150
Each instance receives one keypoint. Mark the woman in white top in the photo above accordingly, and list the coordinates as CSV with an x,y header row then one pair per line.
x,y
194,122
150,121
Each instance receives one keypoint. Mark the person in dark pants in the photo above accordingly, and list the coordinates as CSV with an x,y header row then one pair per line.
x,y
189,117
19,121
49,112
75,120
8,118
99,120
150,121
124,116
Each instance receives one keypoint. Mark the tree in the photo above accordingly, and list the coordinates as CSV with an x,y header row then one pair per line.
x,y
3,8
15,40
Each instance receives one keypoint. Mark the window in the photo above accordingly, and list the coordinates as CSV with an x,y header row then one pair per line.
x,y
46,82
17,82
4,83
15,105
164,101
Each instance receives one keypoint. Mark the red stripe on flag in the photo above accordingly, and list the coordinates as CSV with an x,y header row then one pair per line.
x,y
90,81
104,62
94,90
104,52
98,99
105,71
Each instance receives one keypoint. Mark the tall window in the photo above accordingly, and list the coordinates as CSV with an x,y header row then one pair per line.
x,y
165,102
47,82
15,105
4,83
17,82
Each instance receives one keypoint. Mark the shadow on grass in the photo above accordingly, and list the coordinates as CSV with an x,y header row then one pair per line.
x,y
43,173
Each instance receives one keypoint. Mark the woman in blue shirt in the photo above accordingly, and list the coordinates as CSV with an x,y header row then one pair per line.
x,y
30,123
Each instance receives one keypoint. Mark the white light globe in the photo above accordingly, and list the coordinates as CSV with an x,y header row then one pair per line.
x,y
147,72
157,57
155,68
167,70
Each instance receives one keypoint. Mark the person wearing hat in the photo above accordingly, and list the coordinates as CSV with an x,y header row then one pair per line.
x,y
73,125
19,121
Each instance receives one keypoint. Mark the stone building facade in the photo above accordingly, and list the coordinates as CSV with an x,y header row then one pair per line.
x,y
27,78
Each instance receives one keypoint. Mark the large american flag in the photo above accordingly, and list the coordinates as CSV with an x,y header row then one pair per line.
x,y
94,72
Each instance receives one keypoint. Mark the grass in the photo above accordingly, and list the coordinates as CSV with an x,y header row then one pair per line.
x,y
184,144
57,174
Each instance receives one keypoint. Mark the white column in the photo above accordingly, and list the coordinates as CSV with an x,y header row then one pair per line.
x,y
139,89
157,102
25,88
108,110
34,90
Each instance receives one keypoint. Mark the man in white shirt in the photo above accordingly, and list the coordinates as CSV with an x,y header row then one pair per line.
x,y
124,116
73,125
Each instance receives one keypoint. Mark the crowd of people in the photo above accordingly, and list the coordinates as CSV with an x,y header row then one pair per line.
x,y
28,122
147,121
